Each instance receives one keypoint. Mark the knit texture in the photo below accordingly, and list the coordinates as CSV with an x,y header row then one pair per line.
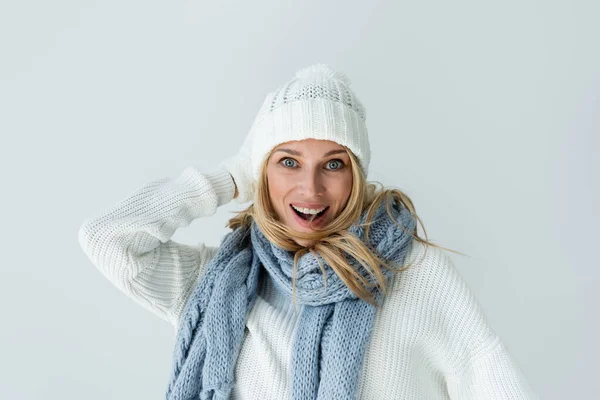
x,y
323,366
317,103
334,326
430,340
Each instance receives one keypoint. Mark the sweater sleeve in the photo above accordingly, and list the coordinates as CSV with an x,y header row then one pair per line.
x,y
478,366
490,374
130,242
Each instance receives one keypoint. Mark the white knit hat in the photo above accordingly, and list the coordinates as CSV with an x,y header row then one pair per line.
x,y
316,104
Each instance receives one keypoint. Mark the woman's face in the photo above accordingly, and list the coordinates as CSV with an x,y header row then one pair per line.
x,y
306,177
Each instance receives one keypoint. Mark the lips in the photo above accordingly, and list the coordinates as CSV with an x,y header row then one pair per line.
x,y
304,219
314,206
309,216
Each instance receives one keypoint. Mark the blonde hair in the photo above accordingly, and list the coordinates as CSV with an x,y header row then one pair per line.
x,y
332,240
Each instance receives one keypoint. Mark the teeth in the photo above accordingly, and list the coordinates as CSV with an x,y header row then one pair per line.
x,y
308,210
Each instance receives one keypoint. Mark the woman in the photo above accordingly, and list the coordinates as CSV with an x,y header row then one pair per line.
x,y
323,289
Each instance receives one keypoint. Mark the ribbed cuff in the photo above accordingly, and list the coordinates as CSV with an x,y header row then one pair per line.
x,y
223,185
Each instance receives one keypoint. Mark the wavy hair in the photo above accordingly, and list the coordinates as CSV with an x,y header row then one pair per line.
x,y
332,240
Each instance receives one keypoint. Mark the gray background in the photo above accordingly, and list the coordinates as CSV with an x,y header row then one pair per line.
x,y
485,114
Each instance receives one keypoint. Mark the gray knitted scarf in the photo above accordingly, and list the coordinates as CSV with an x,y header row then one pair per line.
x,y
333,327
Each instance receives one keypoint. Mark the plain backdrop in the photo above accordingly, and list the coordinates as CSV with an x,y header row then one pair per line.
x,y
485,113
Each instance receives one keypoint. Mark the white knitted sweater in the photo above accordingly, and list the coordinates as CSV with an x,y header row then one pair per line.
x,y
430,339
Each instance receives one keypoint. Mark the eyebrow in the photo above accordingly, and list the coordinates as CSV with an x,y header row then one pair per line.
x,y
297,153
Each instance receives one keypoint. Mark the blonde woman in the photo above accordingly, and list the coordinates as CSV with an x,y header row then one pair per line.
x,y
322,289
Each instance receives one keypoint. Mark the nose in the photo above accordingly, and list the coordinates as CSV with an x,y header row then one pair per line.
x,y
311,183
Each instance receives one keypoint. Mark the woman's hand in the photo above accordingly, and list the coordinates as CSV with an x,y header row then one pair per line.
x,y
239,168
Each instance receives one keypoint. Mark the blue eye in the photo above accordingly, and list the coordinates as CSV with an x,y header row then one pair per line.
x,y
291,163
288,162
340,162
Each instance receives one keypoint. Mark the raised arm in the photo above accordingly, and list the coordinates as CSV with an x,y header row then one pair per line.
x,y
130,242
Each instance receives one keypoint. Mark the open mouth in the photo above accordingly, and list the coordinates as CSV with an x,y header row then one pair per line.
x,y
308,217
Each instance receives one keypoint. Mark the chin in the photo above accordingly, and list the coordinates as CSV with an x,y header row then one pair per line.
x,y
304,243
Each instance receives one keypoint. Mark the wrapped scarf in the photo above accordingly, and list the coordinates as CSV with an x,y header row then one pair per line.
x,y
333,327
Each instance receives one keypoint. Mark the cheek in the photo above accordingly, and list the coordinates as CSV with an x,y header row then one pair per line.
x,y
341,188
278,187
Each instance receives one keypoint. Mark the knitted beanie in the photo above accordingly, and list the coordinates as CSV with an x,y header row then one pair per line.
x,y
316,104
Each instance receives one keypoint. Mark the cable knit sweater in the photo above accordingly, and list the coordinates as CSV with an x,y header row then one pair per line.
x,y
430,339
